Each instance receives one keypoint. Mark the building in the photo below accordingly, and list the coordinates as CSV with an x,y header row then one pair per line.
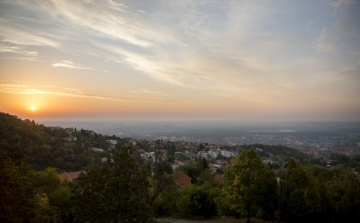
x,y
150,155
176,164
226,153
70,138
182,179
72,176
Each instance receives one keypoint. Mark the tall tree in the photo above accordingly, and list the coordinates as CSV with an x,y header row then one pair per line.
x,y
294,188
114,192
161,182
241,182
17,200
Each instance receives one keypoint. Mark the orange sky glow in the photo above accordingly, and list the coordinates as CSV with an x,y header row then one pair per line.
x,y
243,60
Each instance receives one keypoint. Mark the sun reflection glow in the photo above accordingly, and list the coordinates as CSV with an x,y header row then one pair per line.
x,y
33,108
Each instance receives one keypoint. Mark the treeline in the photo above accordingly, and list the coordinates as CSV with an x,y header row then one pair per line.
x,y
278,150
296,193
122,190
126,189
42,147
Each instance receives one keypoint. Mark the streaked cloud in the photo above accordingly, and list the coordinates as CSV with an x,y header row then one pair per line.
x,y
28,89
17,36
16,49
69,64
326,41
215,53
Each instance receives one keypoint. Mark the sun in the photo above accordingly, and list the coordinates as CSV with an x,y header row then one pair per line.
x,y
32,108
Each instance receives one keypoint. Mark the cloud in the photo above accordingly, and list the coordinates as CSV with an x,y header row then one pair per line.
x,y
344,31
342,3
16,49
245,50
117,25
17,36
69,64
326,41
31,59
115,59
27,89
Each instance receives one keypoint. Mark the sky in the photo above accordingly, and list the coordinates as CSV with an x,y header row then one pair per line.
x,y
180,60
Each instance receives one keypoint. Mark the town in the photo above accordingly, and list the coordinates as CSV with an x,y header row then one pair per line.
x,y
184,145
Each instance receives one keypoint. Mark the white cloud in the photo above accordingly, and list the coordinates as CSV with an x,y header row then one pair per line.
x,y
69,64
16,36
17,49
28,89
116,25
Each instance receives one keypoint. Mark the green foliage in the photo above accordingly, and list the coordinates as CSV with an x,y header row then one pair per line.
x,y
113,192
193,174
161,182
344,196
248,187
206,176
293,192
278,150
197,200
17,200
122,190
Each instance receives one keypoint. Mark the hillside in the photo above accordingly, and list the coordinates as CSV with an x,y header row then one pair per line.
x,y
278,150
42,147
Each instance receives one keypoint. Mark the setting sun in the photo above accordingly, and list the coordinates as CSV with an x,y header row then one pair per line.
x,y
33,108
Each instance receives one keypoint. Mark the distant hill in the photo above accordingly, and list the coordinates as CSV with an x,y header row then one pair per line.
x,y
278,150
42,147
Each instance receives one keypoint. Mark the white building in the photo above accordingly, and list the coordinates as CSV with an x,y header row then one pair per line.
x,y
226,153
203,154
150,155
213,154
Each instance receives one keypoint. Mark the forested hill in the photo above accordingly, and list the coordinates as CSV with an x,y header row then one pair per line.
x,y
42,147
278,150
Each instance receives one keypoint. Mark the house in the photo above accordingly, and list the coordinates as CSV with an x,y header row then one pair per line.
x,y
213,154
111,144
177,164
103,160
226,153
70,138
97,149
182,179
72,176
150,155
90,132
203,154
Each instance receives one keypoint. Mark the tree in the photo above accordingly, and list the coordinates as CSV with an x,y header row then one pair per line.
x,y
114,192
293,190
344,196
241,182
193,174
17,200
192,200
206,176
162,181
20,200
